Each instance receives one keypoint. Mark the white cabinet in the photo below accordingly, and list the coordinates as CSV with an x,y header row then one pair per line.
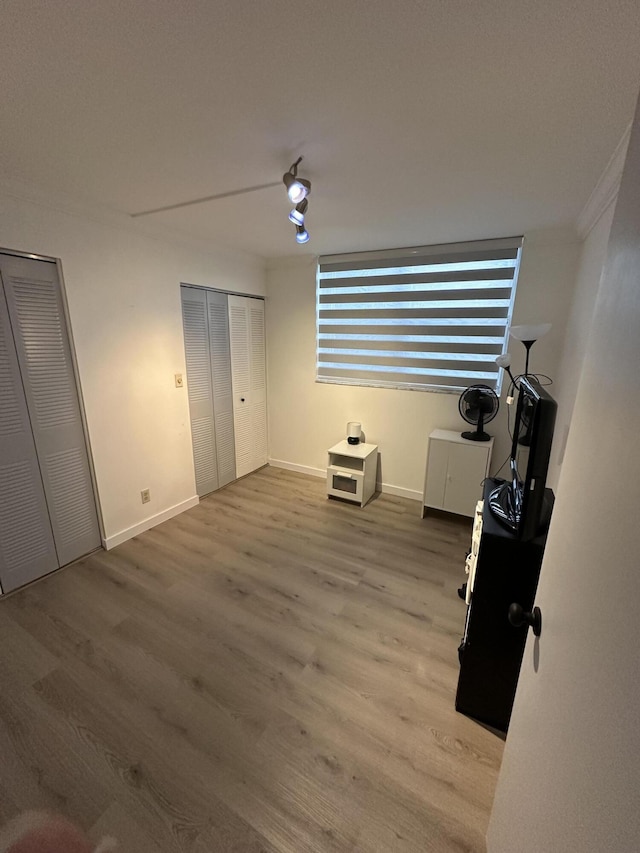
x,y
351,471
456,468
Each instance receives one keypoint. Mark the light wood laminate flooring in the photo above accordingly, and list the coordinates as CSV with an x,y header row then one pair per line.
x,y
269,671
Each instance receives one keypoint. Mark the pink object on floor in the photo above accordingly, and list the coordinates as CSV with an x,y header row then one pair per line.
x,y
39,832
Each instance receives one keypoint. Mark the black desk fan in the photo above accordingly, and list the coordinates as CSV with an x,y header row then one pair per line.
x,y
478,404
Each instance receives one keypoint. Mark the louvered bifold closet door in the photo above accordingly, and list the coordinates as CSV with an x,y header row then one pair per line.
x,y
218,315
27,549
37,317
248,371
198,358
241,380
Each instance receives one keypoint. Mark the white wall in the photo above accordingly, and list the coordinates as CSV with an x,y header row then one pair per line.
x,y
570,774
594,226
305,417
591,261
123,291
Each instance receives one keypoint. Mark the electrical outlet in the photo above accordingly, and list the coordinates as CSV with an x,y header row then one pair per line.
x,y
179,380
145,494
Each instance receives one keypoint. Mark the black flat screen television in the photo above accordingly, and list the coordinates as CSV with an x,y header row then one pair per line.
x,y
520,505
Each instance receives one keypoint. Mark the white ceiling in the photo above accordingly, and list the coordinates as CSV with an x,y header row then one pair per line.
x,y
420,121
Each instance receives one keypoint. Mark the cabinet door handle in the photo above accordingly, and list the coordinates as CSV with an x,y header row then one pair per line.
x,y
519,617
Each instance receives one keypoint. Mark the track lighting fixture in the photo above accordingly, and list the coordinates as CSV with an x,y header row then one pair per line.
x,y
297,188
298,212
302,235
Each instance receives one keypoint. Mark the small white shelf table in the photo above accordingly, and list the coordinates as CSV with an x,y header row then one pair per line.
x,y
456,468
351,471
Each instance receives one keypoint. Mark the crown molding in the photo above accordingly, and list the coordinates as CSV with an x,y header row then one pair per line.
x,y
558,236
605,191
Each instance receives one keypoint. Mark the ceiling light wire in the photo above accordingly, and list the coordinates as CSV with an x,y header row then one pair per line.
x,y
205,199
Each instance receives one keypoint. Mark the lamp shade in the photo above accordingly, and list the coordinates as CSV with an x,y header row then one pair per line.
x,y
529,333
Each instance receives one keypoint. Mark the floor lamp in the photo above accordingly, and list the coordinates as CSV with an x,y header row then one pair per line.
x,y
528,335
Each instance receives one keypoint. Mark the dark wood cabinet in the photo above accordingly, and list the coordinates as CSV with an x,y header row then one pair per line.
x,y
491,651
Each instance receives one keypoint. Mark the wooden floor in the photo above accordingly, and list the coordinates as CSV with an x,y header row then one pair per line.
x,y
269,671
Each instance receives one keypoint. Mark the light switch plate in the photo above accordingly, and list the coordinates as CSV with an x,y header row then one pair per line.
x,y
179,380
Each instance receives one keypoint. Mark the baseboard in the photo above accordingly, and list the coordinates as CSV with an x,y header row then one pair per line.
x,y
399,491
301,469
111,541
385,488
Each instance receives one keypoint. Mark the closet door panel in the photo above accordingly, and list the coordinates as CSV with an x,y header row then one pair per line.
x,y
199,384
37,317
218,313
27,550
241,381
258,382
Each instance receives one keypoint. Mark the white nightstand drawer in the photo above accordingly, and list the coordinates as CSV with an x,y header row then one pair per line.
x,y
343,482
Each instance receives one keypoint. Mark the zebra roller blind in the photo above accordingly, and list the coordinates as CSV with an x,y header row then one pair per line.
x,y
427,318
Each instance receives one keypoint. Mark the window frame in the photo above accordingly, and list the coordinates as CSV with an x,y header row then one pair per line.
x,y
361,266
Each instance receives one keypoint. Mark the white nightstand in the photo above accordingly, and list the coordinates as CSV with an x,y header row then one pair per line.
x,y
456,468
351,471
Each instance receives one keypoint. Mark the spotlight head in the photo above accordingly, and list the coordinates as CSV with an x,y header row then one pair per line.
x,y
297,188
298,212
302,235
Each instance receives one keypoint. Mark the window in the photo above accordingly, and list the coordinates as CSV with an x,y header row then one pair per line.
x,y
431,318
